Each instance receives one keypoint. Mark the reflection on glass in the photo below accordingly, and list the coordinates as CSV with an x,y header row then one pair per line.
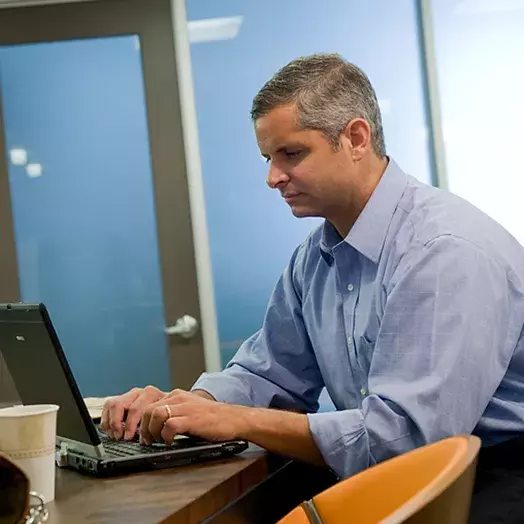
x,y
81,188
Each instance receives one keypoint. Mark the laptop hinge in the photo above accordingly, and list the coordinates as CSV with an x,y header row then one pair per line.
x,y
66,446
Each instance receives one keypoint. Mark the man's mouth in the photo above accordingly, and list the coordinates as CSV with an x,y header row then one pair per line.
x,y
291,196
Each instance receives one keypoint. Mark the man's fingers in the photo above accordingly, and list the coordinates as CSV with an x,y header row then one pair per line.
x,y
134,402
134,414
114,411
159,416
158,407
147,397
156,415
116,417
173,427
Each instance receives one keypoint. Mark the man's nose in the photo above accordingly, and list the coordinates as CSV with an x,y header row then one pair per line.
x,y
276,176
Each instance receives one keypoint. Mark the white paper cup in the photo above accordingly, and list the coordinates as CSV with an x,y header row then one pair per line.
x,y
28,437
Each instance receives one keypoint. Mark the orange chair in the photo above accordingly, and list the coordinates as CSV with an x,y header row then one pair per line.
x,y
429,485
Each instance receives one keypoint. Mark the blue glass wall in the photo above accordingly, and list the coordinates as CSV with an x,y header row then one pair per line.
x,y
85,227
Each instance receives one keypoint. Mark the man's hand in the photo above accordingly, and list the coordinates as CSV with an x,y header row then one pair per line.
x,y
133,402
195,413
163,416
181,412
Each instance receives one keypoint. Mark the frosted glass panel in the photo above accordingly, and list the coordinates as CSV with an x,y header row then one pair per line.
x,y
81,188
479,50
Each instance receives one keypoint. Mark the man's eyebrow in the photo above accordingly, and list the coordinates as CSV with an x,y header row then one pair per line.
x,y
284,147
291,145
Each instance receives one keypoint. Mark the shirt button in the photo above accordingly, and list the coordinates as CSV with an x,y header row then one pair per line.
x,y
351,287
350,340
363,392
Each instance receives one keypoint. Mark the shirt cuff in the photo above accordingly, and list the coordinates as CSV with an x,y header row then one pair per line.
x,y
342,440
223,388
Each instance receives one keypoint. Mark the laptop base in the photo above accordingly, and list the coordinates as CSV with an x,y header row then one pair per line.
x,y
115,466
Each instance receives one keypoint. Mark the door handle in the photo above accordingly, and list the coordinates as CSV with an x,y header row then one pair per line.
x,y
185,327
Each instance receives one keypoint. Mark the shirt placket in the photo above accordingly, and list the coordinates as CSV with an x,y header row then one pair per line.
x,y
348,269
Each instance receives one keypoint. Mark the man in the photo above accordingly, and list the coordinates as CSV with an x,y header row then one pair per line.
x,y
407,303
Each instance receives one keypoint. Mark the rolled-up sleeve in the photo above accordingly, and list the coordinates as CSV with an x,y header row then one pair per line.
x,y
276,367
451,321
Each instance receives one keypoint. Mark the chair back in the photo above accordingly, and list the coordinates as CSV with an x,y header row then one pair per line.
x,y
429,485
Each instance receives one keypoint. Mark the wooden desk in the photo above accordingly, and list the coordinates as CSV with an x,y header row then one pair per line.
x,y
185,495
252,488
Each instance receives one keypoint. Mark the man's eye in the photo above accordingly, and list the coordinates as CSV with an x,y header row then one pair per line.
x,y
291,154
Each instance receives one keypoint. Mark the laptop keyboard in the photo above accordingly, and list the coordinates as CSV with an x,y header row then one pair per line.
x,y
129,448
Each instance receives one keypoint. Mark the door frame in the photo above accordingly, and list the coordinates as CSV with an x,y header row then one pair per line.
x,y
173,141
9,282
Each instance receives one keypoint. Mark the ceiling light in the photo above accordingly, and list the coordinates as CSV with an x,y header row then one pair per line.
x,y
18,157
214,29
34,170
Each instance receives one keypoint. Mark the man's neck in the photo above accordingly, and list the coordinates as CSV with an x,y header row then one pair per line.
x,y
344,219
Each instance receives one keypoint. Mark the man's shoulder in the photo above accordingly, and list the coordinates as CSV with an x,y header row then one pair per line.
x,y
430,214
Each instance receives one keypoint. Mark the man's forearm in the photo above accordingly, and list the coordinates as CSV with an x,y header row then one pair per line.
x,y
280,432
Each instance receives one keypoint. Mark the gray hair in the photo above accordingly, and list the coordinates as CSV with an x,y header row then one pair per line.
x,y
329,92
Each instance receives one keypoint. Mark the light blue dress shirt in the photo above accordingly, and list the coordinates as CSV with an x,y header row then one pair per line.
x,y
413,322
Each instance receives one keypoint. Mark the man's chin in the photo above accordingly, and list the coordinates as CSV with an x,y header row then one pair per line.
x,y
302,212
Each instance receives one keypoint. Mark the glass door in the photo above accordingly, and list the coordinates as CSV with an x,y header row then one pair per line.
x,y
94,166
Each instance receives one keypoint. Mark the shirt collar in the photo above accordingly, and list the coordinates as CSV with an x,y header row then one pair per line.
x,y
369,231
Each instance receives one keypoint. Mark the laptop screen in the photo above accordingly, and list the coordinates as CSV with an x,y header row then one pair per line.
x,y
37,364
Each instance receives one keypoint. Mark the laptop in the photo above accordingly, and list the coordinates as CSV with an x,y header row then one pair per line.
x,y
41,373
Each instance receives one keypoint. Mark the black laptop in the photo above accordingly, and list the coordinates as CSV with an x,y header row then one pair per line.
x,y
39,368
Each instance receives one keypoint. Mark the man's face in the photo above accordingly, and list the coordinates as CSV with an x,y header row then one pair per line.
x,y
313,178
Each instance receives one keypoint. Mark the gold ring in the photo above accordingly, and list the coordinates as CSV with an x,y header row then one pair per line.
x,y
168,411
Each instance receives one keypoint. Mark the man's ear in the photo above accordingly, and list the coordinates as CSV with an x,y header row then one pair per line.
x,y
358,135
